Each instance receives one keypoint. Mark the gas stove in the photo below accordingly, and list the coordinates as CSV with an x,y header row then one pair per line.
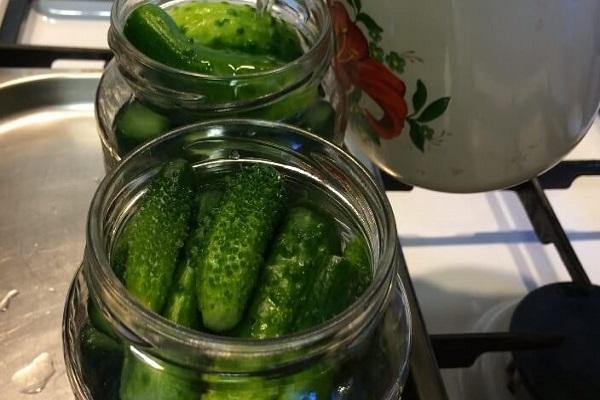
x,y
473,260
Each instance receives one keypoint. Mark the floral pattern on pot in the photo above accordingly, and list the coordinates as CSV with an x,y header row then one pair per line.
x,y
362,66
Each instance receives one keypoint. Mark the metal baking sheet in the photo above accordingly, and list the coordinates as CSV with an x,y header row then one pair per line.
x,y
50,165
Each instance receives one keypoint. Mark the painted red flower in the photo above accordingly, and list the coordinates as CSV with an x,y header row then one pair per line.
x,y
354,67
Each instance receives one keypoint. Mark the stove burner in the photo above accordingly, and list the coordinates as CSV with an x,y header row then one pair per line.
x,y
572,369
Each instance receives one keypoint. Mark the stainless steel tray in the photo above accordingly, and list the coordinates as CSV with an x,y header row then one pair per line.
x,y
50,165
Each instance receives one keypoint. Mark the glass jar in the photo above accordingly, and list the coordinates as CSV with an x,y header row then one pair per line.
x,y
361,353
303,92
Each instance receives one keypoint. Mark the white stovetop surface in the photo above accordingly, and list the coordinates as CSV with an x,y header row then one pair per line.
x,y
467,254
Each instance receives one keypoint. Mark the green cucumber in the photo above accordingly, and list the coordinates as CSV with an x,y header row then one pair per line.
x,y
205,38
235,246
153,32
182,305
256,393
287,107
118,257
98,321
319,118
136,124
305,239
140,380
314,383
207,205
237,27
99,344
357,253
144,378
102,361
240,389
339,283
156,233
328,295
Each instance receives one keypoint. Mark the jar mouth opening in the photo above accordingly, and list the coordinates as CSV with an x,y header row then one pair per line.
x,y
104,275
309,57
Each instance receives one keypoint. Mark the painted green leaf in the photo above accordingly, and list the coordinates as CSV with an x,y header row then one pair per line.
x,y
434,109
375,51
419,97
374,29
395,61
428,132
417,135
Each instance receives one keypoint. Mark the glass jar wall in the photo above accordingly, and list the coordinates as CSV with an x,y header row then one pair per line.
x,y
361,353
138,97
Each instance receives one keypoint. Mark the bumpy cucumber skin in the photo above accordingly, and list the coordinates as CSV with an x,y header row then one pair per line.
x,y
327,295
102,361
207,206
304,241
135,124
245,391
140,381
100,344
219,50
340,281
182,305
118,259
237,27
319,118
157,232
250,210
289,107
153,32
357,253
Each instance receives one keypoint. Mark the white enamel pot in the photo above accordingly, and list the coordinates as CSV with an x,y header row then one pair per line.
x,y
468,95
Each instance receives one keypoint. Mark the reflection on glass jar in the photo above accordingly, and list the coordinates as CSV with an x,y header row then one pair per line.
x,y
116,348
140,98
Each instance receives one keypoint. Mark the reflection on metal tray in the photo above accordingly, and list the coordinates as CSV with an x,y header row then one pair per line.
x,y
50,165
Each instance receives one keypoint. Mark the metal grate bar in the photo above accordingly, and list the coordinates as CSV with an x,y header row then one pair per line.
x,y
14,16
549,229
425,373
564,174
43,56
462,349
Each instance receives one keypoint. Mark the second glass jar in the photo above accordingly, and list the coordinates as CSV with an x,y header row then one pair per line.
x,y
303,92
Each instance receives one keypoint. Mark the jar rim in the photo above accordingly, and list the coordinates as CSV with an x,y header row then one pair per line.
x,y
312,54
105,276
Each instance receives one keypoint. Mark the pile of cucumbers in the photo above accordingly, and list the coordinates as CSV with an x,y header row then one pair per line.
x,y
218,39
234,257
